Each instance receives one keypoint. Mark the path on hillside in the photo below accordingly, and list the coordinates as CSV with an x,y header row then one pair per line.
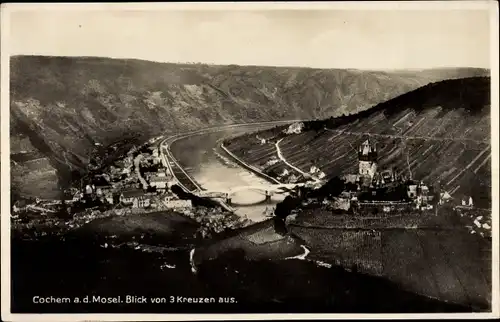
x,y
469,165
396,136
282,158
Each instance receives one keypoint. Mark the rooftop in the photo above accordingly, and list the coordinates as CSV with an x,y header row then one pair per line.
x,y
367,147
132,193
159,179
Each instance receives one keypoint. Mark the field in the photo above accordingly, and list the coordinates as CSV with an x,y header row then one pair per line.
x,y
440,259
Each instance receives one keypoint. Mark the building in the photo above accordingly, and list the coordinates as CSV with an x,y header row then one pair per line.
x,y
467,202
342,202
412,190
109,198
159,181
387,176
88,189
351,178
141,202
295,128
444,197
101,185
77,197
367,156
127,197
293,178
149,174
19,205
173,203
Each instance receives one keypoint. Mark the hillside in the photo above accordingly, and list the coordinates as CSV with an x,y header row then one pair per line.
x,y
61,107
439,133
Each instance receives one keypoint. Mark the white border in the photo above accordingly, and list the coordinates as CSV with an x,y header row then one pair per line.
x,y
6,9
305,5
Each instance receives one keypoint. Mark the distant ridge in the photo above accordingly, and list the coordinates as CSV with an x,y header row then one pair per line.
x,y
61,106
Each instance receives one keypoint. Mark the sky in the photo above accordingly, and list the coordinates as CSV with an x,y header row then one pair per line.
x,y
361,39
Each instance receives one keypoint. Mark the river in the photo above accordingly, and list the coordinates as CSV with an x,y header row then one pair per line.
x,y
214,170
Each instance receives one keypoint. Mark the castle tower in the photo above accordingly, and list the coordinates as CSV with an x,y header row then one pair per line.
x,y
367,155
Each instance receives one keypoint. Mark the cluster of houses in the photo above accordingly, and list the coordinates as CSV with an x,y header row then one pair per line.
x,y
383,191
123,184
295,128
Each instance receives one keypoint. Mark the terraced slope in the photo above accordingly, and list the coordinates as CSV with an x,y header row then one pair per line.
x,y
439,133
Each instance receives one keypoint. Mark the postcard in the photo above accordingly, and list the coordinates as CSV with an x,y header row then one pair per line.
x,y
207,161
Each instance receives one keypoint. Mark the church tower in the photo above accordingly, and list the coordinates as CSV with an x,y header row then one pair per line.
x,y
367,155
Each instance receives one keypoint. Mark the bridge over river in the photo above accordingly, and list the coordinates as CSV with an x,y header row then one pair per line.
x,y
268,190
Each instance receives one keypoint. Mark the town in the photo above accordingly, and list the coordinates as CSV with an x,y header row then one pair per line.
x,y
140,182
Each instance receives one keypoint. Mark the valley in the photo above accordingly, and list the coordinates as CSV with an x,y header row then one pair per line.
x,y
61,106
77,119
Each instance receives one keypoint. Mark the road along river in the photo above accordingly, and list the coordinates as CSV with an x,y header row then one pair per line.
x,y
202,158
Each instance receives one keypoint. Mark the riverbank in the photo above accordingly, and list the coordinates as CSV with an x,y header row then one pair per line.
x,y
248,166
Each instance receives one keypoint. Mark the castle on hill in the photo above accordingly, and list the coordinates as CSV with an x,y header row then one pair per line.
x,y
385,188
367,159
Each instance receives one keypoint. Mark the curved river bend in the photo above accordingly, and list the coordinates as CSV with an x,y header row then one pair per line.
x,y
214,170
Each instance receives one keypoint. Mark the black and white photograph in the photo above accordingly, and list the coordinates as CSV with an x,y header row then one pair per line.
x,y
180,160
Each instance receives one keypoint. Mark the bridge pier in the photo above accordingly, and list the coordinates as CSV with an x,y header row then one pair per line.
x,y
268,196
228,200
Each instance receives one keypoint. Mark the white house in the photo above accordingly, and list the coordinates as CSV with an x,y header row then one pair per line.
x,y
172,203
285,172
295,128
128,197
444,197
293,178
141,202
159,181
109,198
